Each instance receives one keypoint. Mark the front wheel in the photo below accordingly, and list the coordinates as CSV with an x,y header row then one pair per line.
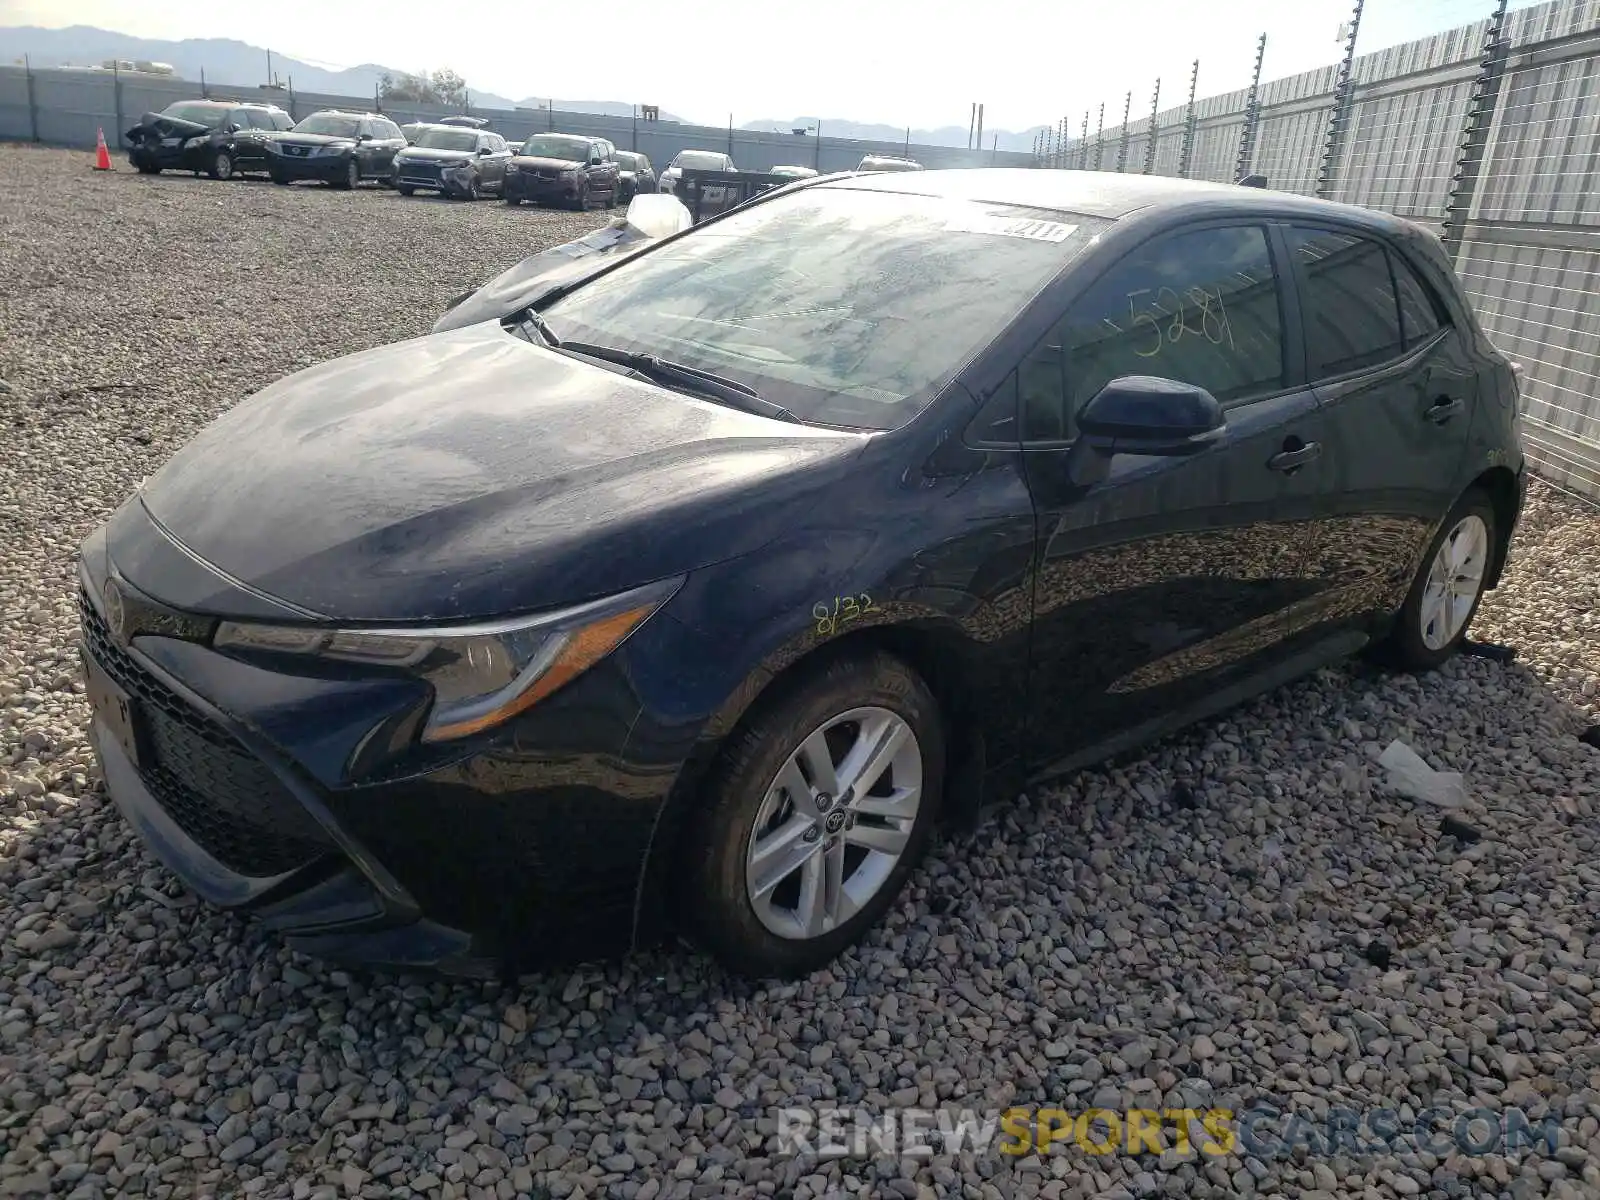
x,y
148,168
221,165
1445,594
352,176
581,200
513,201
405,189
820,808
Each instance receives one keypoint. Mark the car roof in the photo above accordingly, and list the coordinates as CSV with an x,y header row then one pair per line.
x,y
208,103
1107,194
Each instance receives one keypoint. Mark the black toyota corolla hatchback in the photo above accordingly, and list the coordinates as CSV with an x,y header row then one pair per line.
x,y
689,595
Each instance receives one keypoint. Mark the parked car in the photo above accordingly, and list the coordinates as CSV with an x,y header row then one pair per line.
x,y
693,160
638,177
466,122
562,168
335,147
692,594
461,163
883,162
218,137
794,172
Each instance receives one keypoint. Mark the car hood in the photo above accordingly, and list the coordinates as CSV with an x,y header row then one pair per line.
x,y
471,474
164,126
538,160
429,154
290,138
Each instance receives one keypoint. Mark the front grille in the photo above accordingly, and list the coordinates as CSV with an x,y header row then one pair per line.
x,y
548,173
419,172
214,789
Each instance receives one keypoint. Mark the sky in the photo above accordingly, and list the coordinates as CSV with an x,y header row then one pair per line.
x,y
892,61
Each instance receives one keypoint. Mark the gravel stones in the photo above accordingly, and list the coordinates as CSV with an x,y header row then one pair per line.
x,y
1186,928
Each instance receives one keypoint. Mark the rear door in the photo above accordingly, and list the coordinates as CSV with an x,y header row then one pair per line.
x,y
492,166
1162,592
1397,388
388,142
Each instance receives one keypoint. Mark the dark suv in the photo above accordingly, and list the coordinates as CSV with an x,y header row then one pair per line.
x,y
215,136
334,147
563,168
638,176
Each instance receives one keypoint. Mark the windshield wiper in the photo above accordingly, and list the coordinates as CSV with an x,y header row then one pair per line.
x,y
691,379
532,319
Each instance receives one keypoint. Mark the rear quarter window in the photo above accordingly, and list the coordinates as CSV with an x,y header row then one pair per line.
x,y
1352,317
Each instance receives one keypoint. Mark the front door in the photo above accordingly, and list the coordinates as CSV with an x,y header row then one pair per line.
x,y
1161,592
1397,387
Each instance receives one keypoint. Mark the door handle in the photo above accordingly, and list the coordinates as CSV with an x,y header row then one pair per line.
x,y
1289,461
1442,409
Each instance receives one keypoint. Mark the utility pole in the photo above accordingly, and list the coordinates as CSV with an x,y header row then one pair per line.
x,y
1252,114
1100,138
1150,146
1186,155
1122,150
1341,109
978,142
972,122
1083,144
269,67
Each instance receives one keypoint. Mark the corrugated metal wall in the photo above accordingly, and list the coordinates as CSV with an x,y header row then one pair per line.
x,y
1530,244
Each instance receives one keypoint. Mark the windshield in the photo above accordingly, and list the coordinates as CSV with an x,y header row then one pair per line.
x,y
629,162
700,160
546,145
331,124
447,139
849,308
199,112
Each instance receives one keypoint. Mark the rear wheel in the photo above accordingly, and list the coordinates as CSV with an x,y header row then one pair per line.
x,y
1445,594
221,165
821,807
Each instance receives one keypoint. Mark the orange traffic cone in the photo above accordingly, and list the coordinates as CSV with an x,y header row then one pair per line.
x,y
102,156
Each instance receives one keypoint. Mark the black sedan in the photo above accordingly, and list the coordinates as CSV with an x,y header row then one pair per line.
x,y
637,178
690,594
219,138
338,148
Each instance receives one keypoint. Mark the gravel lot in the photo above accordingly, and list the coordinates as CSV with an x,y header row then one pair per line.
x,y
1113,941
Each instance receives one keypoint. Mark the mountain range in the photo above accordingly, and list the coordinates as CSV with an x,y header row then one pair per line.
x,y
240,64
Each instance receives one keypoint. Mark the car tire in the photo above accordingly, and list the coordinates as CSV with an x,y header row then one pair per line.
x,y
148,168
279,178
405,189
1445,594
513,202
755,926
352,176
221,165
581,200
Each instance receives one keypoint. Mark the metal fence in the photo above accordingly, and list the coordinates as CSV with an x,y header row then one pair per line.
x,y
1489,134
68,107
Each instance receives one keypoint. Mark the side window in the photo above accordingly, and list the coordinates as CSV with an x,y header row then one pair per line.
x,y
242,118
366,128
1352,316
282,120
1420,312
1200,307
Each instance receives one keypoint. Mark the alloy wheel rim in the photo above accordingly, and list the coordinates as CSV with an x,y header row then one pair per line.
x,y
224,166
1455,577
833,823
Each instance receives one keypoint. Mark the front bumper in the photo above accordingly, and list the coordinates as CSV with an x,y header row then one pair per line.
x,y
323,168
449,181
523,185
170,158
521,851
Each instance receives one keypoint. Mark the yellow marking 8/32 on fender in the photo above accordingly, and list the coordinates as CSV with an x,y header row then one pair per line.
x,y
844,610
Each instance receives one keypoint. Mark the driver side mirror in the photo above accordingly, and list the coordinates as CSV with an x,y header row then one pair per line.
x,y
594,160
231,127
1143,415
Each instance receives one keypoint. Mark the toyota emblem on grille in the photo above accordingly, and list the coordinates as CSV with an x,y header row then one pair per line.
x,y
116,611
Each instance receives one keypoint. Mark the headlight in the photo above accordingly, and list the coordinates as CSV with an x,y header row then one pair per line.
x,y
195,143
327,151
481,674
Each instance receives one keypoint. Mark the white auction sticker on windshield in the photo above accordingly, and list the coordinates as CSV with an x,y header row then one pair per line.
x,y
969,221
